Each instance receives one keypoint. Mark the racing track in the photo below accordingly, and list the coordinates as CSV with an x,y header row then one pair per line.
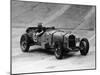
x,y
38,60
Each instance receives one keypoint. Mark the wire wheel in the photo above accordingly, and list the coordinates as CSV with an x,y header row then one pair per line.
x,y
58,51
24,43
84,46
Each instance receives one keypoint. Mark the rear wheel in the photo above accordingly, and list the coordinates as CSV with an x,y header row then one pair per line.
x,y
24,43
58,50
84,46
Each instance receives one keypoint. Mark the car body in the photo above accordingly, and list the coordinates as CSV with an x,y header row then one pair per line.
x,y
56,39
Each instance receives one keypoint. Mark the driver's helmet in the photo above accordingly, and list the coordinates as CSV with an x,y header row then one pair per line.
x,y
40,25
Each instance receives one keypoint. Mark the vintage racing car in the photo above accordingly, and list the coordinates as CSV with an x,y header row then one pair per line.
x,y
53,38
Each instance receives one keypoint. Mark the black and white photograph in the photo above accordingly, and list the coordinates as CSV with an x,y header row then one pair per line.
x,y
52,37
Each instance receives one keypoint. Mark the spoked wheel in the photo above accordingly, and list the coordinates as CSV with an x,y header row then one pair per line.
x,y
58,51
84,46
24,43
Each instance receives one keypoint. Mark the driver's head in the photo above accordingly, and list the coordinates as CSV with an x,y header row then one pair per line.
x,y
39,25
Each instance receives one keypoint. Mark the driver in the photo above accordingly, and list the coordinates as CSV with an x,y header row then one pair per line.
x,y
39,31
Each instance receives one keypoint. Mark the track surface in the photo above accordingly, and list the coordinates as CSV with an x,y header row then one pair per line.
x,y
38,60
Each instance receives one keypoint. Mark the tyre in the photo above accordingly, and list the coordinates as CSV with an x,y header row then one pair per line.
x,y
24,43
58,50
84,46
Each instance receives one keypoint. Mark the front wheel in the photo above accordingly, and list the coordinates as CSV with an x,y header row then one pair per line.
x,y
24,43
84,46
58,51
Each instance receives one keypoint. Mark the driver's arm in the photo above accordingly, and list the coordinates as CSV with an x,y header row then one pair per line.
x,y
39,33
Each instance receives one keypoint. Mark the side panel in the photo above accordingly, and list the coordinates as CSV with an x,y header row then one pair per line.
x,y
58,37
45,40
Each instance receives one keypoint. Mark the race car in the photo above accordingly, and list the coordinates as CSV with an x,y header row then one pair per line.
x,y
53,38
